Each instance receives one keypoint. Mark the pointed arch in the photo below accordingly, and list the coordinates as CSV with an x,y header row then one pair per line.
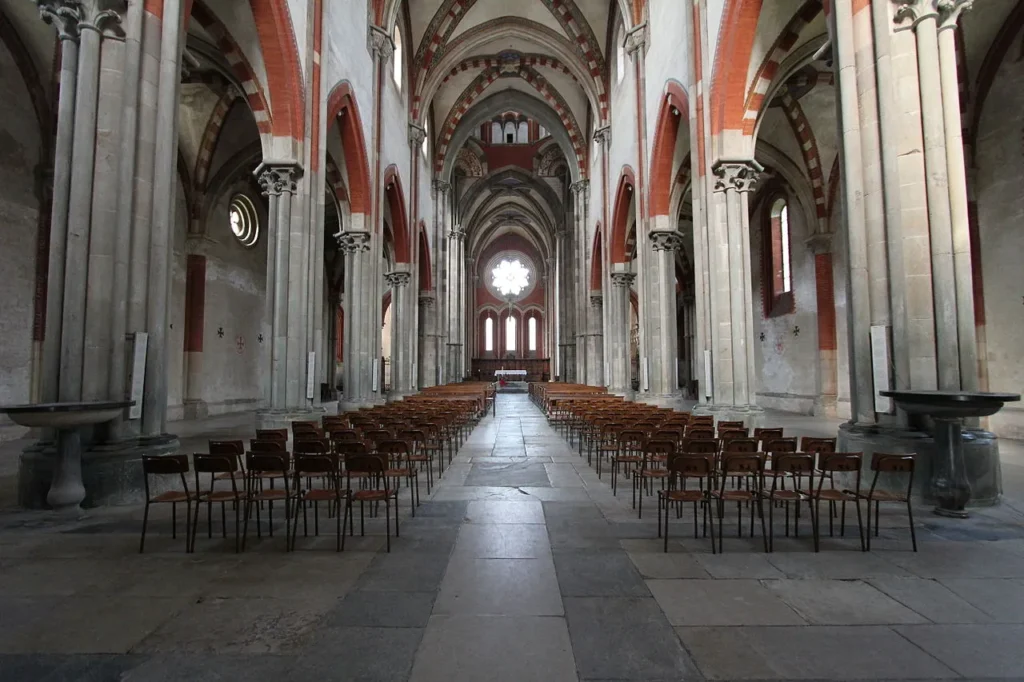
x,y
597,260
342,107
426,279
284,75
395,197
675,108
620,215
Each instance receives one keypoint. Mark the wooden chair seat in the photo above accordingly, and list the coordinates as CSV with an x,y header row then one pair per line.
x,y
173,496
373,495
682,495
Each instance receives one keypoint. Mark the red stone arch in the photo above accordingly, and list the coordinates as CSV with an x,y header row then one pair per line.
x,y
281,57
735,46
675,108
621,215
395,197
342,107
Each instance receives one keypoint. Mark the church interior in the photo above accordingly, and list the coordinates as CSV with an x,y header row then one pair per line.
x,y
537,277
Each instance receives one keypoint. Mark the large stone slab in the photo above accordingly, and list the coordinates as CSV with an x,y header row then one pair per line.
x,y
502,587
721,602
973,651
598,573
842,602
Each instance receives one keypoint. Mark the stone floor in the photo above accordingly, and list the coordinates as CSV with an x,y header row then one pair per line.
x,y
520,566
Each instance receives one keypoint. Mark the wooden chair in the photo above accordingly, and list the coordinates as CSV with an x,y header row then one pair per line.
x,y
682,468
213,465
272,434
320,467
374,488
629,454
882,463
399,467
741,466
259,466
168,465
828,465
795,466
653,467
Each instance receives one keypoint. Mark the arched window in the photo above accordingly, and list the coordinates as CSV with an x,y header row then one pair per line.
x,y
778,273
496,133
510,133
531,330
524,133
396,36
620,54
542,133
489,335
510,334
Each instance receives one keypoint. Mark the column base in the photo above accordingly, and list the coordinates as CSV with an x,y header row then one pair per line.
x,y
981,458
282,419
672,400
752,416
195,409
111,472
397,396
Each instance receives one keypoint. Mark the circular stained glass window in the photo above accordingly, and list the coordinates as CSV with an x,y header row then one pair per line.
x,y
510,277
243,220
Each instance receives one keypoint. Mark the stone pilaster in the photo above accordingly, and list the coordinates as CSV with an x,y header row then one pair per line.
x,y
661,319
595,340
581,203
456,304
428,339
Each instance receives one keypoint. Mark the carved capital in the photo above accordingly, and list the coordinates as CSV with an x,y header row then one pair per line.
x,y
442,187
666,240
457,234
623,279
950,11
64,15
909,13
380,43
596,300
416,135
580,188
739,175
427,299
397,279
278,178
820,243
354,241
636,39
603,135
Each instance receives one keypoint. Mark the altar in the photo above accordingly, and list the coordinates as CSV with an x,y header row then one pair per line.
x,y
510,374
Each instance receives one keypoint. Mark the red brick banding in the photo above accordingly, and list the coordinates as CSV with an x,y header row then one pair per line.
x,y
674,111
342,107
395,197
621,214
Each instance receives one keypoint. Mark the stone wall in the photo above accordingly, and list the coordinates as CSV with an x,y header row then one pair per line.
x,y
19,214
1000,177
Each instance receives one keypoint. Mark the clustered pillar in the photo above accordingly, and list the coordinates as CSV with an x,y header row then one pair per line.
x,y
619,325
401,333
358,321
456,303
427,363
595,340
662,334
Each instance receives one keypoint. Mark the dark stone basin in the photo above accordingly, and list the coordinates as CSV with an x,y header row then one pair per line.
x,y
951,404
65,415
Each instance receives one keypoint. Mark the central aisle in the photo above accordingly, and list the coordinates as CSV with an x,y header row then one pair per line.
x,y
537,585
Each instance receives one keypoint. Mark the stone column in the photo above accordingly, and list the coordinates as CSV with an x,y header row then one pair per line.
x,y
279,183
925,16
603,137
595,339
735,379
958,200
621,283
563,303
456,263
662,332
581,200
195,323
401,333
93,18
65,18
428,339
356,245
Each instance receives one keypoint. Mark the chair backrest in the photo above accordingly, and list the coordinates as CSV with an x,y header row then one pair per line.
x,y
792,463
767,433
344,434
840,461
674,433
266,462
735,463
726,425
258,445
633,438
887,463
732,432
692,466
393,446
702,446
226,447
272,434
315,464
311,446
744,445
700,432
351,448
375,465
660,446
779,445
412,435
809,444
213,464
162,465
